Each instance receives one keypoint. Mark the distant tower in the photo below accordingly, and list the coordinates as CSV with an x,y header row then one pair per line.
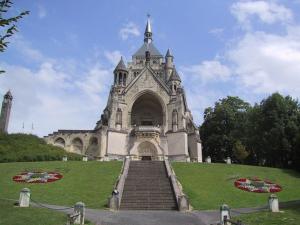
x,y
5,112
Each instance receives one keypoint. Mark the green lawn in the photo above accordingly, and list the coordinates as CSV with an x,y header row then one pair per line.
x,y
210,185
287,216
9,214
89,182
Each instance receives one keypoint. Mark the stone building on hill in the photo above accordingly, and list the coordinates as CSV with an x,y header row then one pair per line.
x,y
146,117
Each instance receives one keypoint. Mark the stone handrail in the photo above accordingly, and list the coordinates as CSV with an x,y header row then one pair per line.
x,y
181,199
147,129
115,199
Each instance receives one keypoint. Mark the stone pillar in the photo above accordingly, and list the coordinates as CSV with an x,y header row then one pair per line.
x,y
224,213
84,158
24,199
208,159
228,160
114,202
273,203
183,203
80,209
65,158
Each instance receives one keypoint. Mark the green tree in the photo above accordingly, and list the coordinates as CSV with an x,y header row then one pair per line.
x,y
8,24
279,126
223,126
239,151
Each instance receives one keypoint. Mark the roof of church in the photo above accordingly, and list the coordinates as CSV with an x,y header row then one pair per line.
x,y
121,65
147,47
175,75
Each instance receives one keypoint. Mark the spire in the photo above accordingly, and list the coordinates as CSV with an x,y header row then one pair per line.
x,y
121,65
175,75
148,31
169,53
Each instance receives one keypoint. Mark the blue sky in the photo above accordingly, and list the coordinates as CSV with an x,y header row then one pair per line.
x,y
59,66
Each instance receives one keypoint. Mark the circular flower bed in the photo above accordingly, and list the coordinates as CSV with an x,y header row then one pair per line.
x,y
37,177
257,185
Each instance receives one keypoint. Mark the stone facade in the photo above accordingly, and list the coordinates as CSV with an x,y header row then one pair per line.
x,y
5,112
146,116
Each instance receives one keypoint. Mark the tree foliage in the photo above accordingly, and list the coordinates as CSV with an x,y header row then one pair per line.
x,y
8,24
265,134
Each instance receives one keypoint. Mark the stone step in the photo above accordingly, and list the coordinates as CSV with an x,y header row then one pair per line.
x,y
147,187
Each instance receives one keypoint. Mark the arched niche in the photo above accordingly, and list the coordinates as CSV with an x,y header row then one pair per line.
x,y
92,150
77,145
60,142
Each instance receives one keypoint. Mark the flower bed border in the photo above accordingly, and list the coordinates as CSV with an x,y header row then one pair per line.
x,y
247,184
25,177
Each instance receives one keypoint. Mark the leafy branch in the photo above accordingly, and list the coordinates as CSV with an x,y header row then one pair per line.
x,y
8,25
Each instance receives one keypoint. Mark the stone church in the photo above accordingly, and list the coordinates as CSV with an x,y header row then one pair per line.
x,y
146,117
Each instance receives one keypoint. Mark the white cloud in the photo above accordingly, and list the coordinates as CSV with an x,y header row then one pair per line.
x,y
113,57
267,63
216,31
268,12
58,94
42,13
208,71
129,29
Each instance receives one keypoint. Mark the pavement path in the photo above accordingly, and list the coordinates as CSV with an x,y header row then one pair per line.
x,y
143,217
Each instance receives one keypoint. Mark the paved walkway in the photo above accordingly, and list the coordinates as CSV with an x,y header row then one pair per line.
x,y
141,217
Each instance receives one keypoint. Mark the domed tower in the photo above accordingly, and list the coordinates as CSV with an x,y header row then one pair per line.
x,y
121,74
5,112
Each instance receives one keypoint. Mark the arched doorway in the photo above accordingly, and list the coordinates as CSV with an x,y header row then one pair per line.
x,y
92,150
147,111
60,142
77,146
147,151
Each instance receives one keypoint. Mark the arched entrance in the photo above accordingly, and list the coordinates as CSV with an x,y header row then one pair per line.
x,y
147,111
147,151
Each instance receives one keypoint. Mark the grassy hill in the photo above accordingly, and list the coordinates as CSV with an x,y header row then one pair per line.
x,y
210,185
26,148
90,182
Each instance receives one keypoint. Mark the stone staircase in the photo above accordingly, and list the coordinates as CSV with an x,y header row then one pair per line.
x,y
147,187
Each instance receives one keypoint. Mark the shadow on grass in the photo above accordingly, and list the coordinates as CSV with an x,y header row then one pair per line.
x,y
291,172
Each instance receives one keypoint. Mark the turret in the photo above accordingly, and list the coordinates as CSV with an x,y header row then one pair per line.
x,y
120,74
174,81
169,64
5,112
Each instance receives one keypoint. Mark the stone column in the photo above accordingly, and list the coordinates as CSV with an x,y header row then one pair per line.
x,y
208,159
80,209
24,199
273,203
224,213
228,160
84,158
